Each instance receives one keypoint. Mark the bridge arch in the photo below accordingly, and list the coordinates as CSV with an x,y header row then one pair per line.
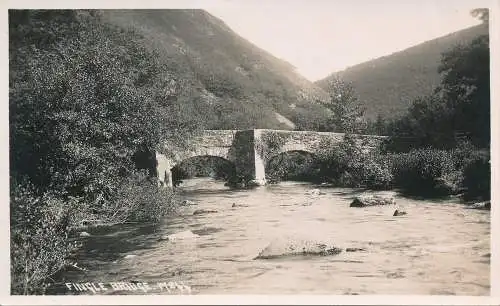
x,y
215,151
203,166
298,165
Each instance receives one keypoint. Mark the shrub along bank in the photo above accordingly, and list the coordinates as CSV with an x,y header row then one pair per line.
x,y
42,226
425,172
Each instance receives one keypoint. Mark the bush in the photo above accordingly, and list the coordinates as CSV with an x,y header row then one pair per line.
x,y
39,245
474,165
349,166
140,199
376,172
477,177
425,172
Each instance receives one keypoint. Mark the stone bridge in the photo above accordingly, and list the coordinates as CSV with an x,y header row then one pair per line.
x,y
250,150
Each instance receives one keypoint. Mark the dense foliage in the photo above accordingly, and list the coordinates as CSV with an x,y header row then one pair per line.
x,y
88,106
477,176
348,165
38,232
84,99
424,172
460,107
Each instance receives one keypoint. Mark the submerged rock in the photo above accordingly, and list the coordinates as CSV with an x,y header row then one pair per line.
x,y
239,205
180,236
314,192
399,213
355,250
203,211
187,203
277,249
365,201
206,231
486,205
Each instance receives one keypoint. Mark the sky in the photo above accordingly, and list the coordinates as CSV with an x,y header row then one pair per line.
x,y
320,37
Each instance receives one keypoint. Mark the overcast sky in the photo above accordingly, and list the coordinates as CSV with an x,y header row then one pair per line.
x,y
319,37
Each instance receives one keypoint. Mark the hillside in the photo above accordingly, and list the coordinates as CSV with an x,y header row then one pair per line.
x,y
388,85
229,82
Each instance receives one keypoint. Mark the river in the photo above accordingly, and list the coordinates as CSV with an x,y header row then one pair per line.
x,y
439,247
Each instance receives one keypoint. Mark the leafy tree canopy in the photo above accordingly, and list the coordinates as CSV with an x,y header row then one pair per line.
x,y
460,107
84,98
345,106
482,14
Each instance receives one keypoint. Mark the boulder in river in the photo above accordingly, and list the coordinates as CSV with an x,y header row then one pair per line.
x,y
486,205
203,211
398,212
284,248
180,236
375,200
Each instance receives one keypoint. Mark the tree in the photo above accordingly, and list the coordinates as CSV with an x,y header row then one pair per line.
x,y
465,88
346,108
377,127
482,14
84,98
426,123
460,107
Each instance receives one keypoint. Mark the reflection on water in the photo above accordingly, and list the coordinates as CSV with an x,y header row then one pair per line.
x,y
438,248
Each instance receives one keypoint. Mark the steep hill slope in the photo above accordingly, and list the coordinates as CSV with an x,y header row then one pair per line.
x,y
388,85
231,83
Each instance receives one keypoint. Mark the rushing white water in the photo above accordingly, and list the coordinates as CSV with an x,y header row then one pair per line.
x,y
439,247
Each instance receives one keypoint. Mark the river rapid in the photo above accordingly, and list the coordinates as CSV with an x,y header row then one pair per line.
x,y
439,247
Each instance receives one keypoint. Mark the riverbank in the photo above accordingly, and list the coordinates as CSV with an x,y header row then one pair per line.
x,y
47,230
